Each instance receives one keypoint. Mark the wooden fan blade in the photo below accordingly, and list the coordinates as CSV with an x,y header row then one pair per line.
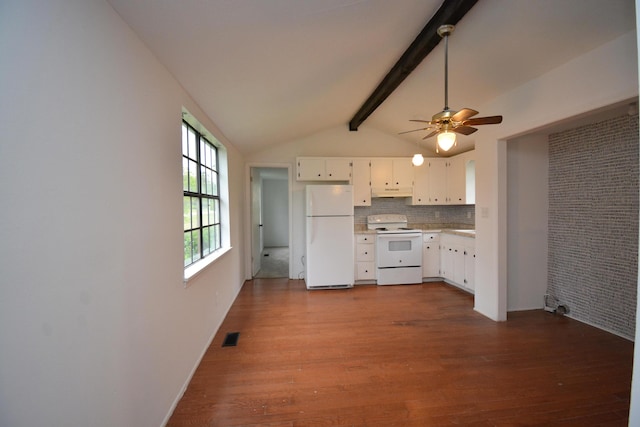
x,y
435,132
463,115
414,130
490,120
465,130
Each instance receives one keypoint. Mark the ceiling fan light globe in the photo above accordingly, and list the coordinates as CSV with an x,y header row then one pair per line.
x,y
446,140
417,159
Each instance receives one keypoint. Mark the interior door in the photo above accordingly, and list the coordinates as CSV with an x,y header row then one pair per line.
x,y
256,222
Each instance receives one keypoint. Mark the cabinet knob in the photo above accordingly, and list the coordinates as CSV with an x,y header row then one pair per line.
x,y
366,253
319,175
428,247
330,174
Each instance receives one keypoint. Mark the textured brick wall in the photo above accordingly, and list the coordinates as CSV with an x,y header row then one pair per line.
x,y
438,216
593,222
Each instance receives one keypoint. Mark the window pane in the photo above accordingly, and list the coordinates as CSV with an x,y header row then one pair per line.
x,y
215,237
193,176
195,212
206,241
192,145
214,183
204,182
185,174
204,152
216,211
187,212
187,249
210,178
195,245
214,159
213,215
185,150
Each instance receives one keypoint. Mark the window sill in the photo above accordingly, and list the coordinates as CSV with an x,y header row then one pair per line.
x,y
194,269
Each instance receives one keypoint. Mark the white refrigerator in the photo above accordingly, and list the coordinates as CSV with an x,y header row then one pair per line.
x,y
329,255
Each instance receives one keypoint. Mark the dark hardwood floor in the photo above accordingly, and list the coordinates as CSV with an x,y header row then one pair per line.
x,y
415,355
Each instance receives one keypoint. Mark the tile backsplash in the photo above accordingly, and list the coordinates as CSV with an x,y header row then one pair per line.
x,y
445,216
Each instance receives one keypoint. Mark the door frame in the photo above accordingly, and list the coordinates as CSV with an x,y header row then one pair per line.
x,y
248,237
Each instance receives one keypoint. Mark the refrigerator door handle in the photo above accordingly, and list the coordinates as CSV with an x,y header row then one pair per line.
x,y
312,231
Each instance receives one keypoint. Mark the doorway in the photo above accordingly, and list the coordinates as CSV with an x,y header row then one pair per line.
x,y
270,250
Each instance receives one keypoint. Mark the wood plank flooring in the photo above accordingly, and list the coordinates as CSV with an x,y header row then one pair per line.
x,y
415,355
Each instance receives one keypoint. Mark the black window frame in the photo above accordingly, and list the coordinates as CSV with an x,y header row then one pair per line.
x,y
206,196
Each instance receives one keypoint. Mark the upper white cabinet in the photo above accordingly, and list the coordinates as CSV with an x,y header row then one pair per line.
x,y
444,181
391,173
323,169
437,180
456,181
361,180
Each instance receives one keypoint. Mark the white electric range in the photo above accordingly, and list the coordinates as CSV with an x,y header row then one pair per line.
x,y
398,250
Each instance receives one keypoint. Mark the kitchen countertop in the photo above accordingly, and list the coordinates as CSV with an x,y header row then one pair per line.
x,y
463,230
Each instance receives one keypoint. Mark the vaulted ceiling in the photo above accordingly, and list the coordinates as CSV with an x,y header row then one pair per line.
x,y
271,71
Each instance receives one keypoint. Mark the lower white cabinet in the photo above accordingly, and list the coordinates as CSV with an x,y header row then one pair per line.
x,y
365,267
457,260
430,255
470,264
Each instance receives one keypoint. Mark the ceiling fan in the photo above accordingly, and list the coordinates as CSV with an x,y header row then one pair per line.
x,y
448,122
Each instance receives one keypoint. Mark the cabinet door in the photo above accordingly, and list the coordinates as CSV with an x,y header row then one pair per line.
x,y
446,260
402,173
437,181
337,169
470,265
311,169
420,185
456,182
381,173
458,264
430,255
361,180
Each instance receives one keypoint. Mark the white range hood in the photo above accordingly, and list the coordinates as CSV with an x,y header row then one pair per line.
x,y
391,192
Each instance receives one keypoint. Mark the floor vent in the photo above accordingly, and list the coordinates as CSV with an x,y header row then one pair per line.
x,y
231,340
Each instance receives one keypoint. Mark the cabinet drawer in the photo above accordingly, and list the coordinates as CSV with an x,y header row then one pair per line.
x,y
366,271
365,252
365,238
430,237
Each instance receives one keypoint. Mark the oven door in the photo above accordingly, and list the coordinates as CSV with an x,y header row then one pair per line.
x,y
399,250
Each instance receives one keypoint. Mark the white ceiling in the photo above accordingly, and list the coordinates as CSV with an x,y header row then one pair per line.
x,y
271,71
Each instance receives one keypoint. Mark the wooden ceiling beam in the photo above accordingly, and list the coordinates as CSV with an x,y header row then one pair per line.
x,y
450,12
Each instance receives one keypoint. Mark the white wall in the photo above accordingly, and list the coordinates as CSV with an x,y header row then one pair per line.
x,y
275,212
96,327
527,221
602,77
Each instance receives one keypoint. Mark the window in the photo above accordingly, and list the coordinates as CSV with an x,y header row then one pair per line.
x,y
201,200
